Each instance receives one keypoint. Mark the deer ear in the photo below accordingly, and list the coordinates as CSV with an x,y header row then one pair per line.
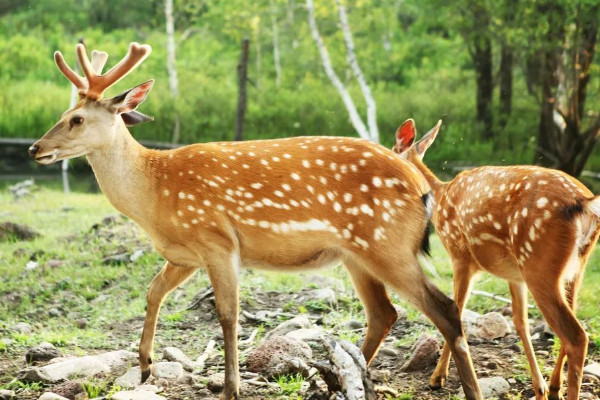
x,y
405,136
135,117
426,141
129,100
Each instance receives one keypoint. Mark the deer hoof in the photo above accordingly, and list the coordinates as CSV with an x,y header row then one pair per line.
x,y
437,382
146,375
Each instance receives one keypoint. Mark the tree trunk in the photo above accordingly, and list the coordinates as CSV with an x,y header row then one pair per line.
x,y
242,70
173,82
482,59
358,74
355,118
506,83
276,56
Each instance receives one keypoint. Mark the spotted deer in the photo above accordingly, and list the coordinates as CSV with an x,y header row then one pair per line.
x,y
534,227
285,204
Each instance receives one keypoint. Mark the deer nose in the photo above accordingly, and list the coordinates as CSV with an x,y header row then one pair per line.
x,y
33,150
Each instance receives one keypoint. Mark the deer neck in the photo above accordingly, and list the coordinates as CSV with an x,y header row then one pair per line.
x,y
437,186
121,170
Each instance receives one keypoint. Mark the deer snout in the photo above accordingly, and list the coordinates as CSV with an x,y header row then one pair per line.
x,y
33,149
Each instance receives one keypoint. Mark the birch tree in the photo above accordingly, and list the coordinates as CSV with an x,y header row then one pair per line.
x,y
173,82
367,131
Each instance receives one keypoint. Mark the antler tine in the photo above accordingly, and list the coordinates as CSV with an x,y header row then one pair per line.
x,y
79,82
99,60
98,84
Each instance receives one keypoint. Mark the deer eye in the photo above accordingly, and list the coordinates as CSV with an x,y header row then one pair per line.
x,y
76,121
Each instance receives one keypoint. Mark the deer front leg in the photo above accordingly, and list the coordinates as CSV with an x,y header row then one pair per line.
x,y
169,277
518,291
223,276
463,278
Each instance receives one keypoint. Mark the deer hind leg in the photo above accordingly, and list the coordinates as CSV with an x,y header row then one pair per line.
x,y
518,291
409,280
463,278
556,380
563,322
222,272
381,314
169,277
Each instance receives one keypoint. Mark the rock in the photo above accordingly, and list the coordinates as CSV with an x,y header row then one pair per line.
x,y
389,351
589,378
174,354
586,395
7,394
490,387
82,367
136,254
149,388
512,381
492,325
352,325
167,370
51,396
81,323
323,295
54,312
215,382
542,353
44,352
280,355
401,311
53,264
31,265
319,281
21,327
130,379
116,259
136,395
306,335
69,389
424,353
12,231
543,329
299,322
592,369
380,375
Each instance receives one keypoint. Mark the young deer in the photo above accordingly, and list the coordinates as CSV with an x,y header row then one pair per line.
x,y
534,227
286,204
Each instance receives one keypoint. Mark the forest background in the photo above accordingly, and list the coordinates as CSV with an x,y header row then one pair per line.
x,y
515,81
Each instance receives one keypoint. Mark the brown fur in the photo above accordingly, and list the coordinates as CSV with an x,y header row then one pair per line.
x,y
285,204
525,224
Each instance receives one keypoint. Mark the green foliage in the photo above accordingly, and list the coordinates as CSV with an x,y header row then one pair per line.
x,y
290,384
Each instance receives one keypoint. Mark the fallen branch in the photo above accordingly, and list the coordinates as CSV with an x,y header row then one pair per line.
x,y
204,356
199,298
250,338
495,297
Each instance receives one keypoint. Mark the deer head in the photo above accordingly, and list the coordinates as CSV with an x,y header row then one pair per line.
x,y
94,123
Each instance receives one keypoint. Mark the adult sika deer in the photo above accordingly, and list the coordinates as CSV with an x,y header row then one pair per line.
x,y
287,204
534,227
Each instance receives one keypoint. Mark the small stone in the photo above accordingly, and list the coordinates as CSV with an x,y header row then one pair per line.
x,y
401,311
44,352
512,381
542,353
21,327
149,388
586,395
492,325
324,295
215,382
131,379
167,370
589,378
116,259
306,335
592,369
299,322
380,375
136,254
174,354
53,264
136,395
424,353
280,355
51,396
7,394
389,352
12,231
54,312
491,365
31,265
352,325
490,387
81,323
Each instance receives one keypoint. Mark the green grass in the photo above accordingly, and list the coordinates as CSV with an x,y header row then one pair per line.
x,y
290,384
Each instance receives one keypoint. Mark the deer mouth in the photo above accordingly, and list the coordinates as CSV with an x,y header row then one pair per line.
x,y
46,159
